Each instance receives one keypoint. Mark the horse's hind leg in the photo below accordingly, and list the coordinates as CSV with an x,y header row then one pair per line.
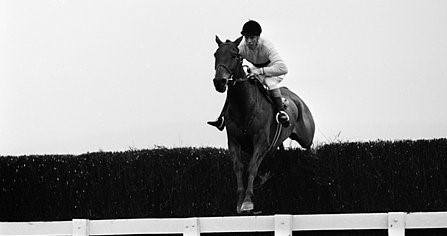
x,y
281,147
304,129
238,167
305,143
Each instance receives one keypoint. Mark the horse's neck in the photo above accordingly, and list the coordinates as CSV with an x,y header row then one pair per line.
x,y
243,99
240,73
243,92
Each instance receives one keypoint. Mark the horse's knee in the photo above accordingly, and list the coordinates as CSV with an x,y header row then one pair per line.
x,y
253,168
238,165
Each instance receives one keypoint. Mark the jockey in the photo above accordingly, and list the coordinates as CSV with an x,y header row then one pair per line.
x,y
269,68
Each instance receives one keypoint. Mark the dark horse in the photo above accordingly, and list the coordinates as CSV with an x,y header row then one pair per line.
x,y
250,119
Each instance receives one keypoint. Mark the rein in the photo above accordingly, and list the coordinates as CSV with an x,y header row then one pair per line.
x,y
232,80
246,78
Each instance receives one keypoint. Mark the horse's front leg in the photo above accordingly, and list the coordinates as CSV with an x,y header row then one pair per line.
x,y
259,152
238,167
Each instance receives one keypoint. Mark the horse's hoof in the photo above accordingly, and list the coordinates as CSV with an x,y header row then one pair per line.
x,y
247,206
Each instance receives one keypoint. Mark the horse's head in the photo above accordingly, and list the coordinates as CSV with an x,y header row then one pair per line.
x,y
227,60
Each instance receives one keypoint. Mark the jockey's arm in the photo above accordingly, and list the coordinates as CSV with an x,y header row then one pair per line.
x,y
277,66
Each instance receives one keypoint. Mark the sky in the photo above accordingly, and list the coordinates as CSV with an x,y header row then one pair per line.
x,y
81,76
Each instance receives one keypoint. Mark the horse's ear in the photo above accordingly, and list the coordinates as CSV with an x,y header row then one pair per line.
x,y
238,41
218,41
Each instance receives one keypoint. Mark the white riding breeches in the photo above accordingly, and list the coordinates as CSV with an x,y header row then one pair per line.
x,y
272,82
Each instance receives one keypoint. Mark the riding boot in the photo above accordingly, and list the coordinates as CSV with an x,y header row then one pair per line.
x,y
281,116
220,122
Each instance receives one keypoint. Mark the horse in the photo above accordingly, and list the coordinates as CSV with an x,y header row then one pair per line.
x,y
250,118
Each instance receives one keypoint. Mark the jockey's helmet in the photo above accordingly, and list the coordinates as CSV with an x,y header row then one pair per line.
x,y
251,28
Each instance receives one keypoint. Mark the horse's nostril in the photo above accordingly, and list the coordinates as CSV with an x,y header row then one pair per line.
x,y
220,85
222,89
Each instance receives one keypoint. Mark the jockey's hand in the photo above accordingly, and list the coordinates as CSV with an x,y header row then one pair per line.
x,y
254,72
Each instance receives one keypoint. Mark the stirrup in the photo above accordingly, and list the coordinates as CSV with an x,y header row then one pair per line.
x,y
284,118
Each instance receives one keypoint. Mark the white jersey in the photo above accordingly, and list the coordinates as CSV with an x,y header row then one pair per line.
x,y
264,55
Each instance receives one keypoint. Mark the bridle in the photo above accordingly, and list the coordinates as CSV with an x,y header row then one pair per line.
x,y
231,80
229,72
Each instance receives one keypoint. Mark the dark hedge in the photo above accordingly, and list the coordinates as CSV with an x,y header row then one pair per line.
x,y
352,177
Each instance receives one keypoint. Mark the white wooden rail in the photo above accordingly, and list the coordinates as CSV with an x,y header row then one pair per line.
x,y
282,225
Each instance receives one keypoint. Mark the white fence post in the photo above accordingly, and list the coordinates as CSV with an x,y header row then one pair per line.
x,y
81,227
283,225
191,227
396,224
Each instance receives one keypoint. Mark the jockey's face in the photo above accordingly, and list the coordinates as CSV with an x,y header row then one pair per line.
x,y
251,41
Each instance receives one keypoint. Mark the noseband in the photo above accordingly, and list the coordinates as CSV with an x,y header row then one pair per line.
x,y
228,70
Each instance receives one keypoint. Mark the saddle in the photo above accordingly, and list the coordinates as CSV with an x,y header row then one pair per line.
x,y
264,90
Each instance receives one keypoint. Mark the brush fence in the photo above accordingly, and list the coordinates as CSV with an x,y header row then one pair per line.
x,y
281,225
